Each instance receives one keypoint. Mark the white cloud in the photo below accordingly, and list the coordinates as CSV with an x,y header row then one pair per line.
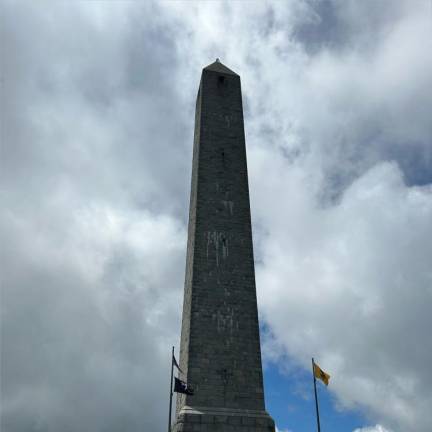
x,y
350,285
89,310
283,430
376,428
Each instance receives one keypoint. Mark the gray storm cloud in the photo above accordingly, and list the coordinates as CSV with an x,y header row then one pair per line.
x,y
97,119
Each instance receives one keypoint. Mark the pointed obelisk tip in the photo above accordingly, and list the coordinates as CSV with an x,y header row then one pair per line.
x,y
217,66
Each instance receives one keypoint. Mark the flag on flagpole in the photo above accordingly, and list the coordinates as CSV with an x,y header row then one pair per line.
x,y
320,374
176,364
182,387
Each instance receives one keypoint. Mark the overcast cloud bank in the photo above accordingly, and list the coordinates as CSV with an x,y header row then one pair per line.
x,y
97,121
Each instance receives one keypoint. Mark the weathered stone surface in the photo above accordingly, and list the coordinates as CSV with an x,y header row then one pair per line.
x,y
220,347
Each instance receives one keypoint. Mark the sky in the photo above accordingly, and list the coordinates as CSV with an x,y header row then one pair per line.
x,y
97,110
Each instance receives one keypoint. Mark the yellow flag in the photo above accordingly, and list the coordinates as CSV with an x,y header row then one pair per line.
x,y
320,374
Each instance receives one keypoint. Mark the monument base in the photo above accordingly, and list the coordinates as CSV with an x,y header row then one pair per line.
x,y
203,419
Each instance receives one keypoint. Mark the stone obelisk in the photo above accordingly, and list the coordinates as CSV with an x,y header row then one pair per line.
x,y
220,347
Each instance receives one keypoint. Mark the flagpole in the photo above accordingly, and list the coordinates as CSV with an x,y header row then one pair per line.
x,y
316,397
171,390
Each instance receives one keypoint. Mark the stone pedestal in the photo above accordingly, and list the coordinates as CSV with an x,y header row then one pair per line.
x,y
222,420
